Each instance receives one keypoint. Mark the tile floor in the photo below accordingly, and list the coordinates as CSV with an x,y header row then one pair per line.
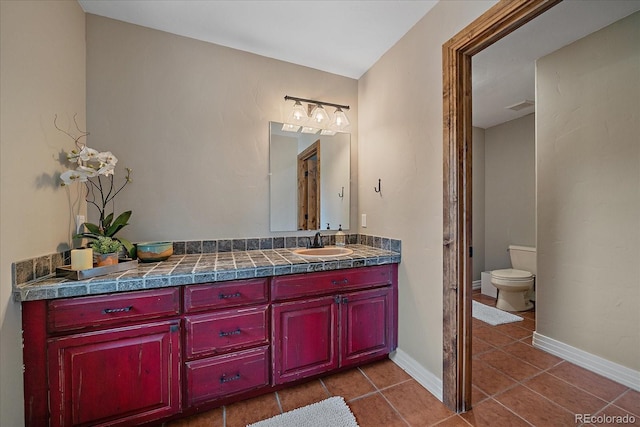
x,y
514,384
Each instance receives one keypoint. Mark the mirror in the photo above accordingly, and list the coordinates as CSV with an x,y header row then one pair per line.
x,y
310,180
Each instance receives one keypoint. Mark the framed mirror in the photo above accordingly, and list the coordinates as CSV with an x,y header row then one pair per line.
x,y
309,180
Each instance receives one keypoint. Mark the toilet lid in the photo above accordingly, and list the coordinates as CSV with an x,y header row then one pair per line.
x,y
511,273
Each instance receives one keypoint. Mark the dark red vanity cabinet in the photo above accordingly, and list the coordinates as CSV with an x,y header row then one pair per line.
x,y
144,357
99,360
226,339
121,376
343,326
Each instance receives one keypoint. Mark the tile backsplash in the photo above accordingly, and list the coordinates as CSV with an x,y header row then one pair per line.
x,y
28,270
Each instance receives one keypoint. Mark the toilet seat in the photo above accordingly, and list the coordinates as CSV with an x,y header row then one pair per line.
x,y
511,274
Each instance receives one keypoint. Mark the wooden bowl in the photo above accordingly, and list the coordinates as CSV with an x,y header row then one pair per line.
x,y
154,251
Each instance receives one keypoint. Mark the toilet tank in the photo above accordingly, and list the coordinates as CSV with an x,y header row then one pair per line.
x,y
523,258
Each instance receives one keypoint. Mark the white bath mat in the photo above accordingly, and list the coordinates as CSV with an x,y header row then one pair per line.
x,y
332,412
492,315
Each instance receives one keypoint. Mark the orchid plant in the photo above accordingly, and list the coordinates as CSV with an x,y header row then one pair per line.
x,y
96,170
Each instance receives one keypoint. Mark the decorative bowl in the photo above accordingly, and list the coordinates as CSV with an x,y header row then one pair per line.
x,y
154,251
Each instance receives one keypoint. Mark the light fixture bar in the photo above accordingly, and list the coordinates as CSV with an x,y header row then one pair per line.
x,y
313,101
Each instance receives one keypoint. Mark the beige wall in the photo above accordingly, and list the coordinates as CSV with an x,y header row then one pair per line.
x,y
400,102
478,202
42,73
510,181
192,121
588,208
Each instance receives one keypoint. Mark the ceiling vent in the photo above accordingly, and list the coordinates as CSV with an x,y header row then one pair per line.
x,y
521,105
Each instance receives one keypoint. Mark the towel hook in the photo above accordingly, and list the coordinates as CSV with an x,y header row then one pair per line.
x,y
379,189
341,194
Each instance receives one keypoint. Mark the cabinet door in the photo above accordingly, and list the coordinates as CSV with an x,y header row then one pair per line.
x,y
305,338
365,325
120,376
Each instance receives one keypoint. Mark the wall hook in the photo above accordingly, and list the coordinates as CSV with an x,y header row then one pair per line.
x,y
341,193
379,189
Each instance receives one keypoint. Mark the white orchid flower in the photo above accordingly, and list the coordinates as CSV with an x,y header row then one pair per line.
x,y
88,171
108,158
106,169
71,176
73,156
88,154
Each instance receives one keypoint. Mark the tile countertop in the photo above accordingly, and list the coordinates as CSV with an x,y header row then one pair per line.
x,y
203,268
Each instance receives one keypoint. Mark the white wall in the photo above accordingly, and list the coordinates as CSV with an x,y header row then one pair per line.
x,y
478,202
42,73
588,195
400,142
192,121
510,182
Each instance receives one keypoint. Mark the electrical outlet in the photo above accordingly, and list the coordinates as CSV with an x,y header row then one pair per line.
x,y
79,221
363,222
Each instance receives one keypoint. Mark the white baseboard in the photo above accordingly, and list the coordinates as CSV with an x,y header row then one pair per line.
x,y
419,373
476,284
597,364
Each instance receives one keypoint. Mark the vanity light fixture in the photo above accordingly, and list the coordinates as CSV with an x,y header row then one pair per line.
x,y
298,114
319,118
340,121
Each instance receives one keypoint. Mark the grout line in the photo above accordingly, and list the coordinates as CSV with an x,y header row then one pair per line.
x,y
279,403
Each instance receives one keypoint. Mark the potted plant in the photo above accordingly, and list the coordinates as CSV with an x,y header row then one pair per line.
x,y
96,170
105,251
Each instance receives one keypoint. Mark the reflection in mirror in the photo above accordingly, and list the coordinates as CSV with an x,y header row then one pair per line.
x,y
310,180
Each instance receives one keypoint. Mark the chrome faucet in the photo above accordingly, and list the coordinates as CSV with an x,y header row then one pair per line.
x,y
317,241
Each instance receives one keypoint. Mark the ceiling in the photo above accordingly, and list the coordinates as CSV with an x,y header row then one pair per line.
x,y
504,73
347,37
340,37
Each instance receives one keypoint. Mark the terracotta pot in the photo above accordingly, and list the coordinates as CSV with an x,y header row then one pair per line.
x,y
101,260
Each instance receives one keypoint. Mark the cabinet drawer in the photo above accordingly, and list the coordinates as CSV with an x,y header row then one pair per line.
x,y
215,333
81,312
225,294
223,376
302,285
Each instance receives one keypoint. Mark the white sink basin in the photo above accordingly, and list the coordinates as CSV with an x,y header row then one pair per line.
x,y
320,252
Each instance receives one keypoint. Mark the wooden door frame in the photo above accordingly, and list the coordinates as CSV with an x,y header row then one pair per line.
x,y
503,18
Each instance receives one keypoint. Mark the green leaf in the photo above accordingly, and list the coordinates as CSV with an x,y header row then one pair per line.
x,y
128,246
87,236
107,221
93,228
119,222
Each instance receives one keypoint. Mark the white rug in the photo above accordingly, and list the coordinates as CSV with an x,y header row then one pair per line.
x,y
332,412
492,315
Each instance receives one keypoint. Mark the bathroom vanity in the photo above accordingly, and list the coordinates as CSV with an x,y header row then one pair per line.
x,y
149,355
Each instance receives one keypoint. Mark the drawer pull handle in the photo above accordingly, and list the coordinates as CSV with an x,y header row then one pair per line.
x,y
226,334
340,282
226,296
117,310
225,379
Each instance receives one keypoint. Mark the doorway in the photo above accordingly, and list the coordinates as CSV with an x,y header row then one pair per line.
x,y
503,18
309,188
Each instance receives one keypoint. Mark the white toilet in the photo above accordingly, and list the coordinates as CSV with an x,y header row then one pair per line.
x,y
515,284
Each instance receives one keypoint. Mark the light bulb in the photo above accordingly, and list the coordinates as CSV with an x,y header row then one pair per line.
x,y
319,115
340,120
